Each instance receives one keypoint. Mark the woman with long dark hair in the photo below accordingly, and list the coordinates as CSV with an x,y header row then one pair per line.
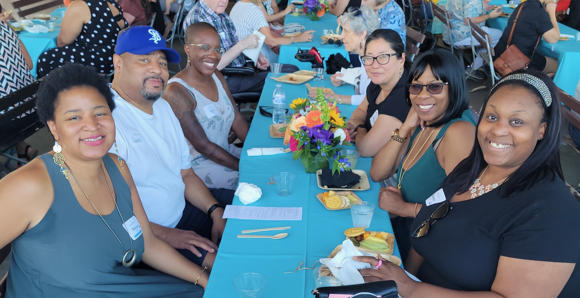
x,y
503,224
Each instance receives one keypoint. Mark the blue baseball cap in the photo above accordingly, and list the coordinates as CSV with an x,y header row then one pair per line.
x,y
142,40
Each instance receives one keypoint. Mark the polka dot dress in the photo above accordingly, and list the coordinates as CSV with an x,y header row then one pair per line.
x,y
93,47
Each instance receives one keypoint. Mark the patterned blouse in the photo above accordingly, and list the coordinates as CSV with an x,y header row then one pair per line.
x,y
14,73
392,17
459,10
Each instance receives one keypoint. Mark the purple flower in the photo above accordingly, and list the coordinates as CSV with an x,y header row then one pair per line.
x,y
320,134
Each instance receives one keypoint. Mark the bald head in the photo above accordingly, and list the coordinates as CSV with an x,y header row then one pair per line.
x,y
197,28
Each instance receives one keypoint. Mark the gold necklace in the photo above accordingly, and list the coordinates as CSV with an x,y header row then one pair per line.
x,y
414,157
478,189
134,257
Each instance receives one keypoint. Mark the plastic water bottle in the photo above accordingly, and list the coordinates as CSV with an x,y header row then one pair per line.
x,y
279,103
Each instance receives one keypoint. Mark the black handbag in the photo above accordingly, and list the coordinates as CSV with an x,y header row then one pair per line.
x,y
383,289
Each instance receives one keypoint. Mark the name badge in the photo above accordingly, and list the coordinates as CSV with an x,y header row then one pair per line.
x,y
211,111
374,117
133,227
437,197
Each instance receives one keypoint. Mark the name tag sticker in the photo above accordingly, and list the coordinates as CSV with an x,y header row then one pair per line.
x,y
211,111
437,197
133,227
374,117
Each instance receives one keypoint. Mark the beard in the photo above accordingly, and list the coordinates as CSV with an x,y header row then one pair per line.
x,y
152,95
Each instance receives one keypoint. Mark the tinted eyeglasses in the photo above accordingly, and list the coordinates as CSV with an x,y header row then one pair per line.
x,y
206,49
432,88
438,214
336,42
382,59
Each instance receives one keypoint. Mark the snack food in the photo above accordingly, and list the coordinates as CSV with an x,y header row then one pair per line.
x,y
337,200
378,242
353,232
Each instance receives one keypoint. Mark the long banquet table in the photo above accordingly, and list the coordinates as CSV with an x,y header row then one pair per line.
x,y
310,239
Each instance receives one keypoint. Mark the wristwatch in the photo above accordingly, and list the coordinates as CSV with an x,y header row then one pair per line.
x,y
395,136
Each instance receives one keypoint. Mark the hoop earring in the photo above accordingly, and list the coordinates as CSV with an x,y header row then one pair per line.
x,y
121,161
58,159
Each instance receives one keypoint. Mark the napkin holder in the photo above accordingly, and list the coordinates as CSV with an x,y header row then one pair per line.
x,y
383,289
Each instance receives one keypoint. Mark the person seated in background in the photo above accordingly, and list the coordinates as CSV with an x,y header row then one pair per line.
x,y
391,16
437,134
534,22
573,18
14,72
137,12
64,212
248,16
88,35
273,13
506,224
338,7
200,99
476,10
181,209
384,107
169,6
357,25
213,13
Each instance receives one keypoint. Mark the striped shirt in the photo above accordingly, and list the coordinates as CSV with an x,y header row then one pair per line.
x,y
248,17
221,22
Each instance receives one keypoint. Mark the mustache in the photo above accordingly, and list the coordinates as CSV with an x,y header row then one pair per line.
x,y
154,78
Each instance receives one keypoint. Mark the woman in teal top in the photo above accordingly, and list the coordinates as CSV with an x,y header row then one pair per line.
x,y
438,133
65,212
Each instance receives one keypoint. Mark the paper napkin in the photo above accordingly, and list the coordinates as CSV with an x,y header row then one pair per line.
x,y
344,267
255,52
350,75
265,151
36,29
248,193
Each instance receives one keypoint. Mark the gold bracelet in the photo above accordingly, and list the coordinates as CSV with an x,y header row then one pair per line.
x,y
204,268
416,210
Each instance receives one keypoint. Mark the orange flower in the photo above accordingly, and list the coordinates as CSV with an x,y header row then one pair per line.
x,y
313,118
293,126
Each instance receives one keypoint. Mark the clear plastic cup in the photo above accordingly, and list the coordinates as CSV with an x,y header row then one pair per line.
x,y
276,68
250,285
284,182
318,74
327,281
362,214
352,156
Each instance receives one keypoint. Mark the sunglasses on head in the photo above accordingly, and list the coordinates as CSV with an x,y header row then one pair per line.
x,y
438,214
432,88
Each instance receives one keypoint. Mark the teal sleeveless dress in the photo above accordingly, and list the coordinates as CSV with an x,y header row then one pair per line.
x,y
422,180
72,253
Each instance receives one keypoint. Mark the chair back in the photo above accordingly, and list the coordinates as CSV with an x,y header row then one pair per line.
x,y
28,7
444,16
19,120
414,41
484,40
4,252
571,105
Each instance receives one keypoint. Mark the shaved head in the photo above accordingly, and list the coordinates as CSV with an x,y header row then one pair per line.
x,y
196,28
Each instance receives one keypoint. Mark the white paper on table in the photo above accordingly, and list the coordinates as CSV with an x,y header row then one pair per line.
x,y
567,35
265,151
263,213
350,75
255,52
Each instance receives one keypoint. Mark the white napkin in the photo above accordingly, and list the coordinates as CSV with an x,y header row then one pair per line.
x,y
344,267
567,35
265,151
36,29
248,193
255,53
350,75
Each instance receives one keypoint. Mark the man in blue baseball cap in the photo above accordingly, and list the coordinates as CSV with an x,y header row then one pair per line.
x,y
149,138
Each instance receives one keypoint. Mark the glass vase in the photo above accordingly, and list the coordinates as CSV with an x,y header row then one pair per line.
x,y
314,163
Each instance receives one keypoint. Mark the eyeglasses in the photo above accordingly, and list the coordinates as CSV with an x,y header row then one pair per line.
x,y
439,213
206,49
432,88
382,59
336,42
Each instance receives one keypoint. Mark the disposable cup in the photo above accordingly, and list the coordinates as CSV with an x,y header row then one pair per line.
x,y
250,285
362,214
284,182
352,156
276,68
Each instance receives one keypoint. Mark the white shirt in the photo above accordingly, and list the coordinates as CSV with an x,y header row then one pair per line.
x,y
363,83
155,149
248,17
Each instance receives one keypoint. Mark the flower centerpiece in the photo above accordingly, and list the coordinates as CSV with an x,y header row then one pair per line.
x,y
314,9
315,131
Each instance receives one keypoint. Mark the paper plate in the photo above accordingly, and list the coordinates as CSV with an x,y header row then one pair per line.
x,y
275,130
293,79
362,185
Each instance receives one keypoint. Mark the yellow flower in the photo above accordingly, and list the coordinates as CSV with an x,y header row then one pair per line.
x,y
334,118
297,102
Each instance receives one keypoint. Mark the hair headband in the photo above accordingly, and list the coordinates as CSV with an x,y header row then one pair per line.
x,y
532,80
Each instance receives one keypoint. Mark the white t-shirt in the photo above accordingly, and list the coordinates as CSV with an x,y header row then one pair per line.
x,y
155,149
248,17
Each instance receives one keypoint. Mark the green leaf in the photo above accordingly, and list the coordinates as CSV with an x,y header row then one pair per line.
x,y
296,154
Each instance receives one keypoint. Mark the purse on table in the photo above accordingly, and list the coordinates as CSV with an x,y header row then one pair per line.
x,y
383,289
513,59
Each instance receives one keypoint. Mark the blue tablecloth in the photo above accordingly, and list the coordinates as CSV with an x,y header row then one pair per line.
x,y
566,52
36,44
319,232
328,21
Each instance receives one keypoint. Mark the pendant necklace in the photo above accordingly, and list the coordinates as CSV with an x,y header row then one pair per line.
x,y
478,189
127,252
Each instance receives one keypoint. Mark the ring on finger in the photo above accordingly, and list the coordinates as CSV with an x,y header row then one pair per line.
x,y
379,264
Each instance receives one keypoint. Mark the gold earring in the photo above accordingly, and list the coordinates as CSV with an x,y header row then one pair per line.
x,y
360,45
121,161
58,159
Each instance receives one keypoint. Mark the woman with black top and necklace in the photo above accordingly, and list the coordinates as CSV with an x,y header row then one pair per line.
x,y
74,216
384,107
504,224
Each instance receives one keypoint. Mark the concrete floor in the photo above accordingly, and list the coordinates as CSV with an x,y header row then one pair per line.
x,y
570,158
